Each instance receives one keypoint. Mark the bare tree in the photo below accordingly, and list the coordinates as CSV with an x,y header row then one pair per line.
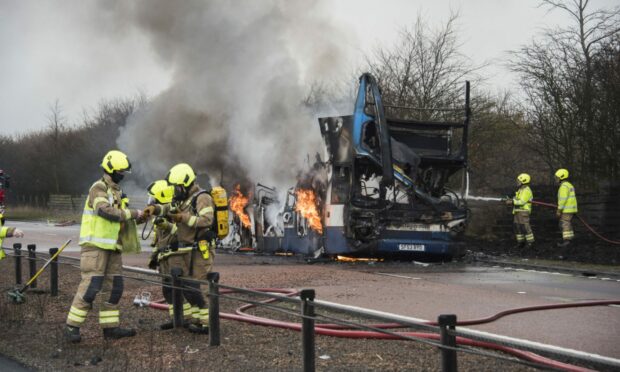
x,y
424,69
559,81
56,127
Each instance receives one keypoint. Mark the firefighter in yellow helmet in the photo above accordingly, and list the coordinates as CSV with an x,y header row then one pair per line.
x,y
166,253
522,208
7,232
101,247
193,211
567,206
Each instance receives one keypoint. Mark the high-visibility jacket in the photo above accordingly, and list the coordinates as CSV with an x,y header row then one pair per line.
x,y
3,233
98,231
567,201
522,201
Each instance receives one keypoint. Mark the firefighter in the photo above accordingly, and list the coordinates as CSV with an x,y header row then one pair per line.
x,y
194,214
100,260
166,253
522,208
7,232
567,206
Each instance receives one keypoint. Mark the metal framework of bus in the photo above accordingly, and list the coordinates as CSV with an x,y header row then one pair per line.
x,y
387,188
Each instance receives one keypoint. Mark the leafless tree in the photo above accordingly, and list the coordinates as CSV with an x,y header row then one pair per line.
x,y
561,79
56,127
424,69
59,158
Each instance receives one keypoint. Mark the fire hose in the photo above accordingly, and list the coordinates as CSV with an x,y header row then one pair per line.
x,y
554,206
341,331
590,228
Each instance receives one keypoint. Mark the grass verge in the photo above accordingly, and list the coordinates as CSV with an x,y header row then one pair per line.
x,y
28,213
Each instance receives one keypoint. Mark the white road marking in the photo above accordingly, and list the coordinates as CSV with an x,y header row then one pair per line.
x,y
554,273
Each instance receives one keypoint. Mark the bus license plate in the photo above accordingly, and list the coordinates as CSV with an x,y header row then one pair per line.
x,y
411,247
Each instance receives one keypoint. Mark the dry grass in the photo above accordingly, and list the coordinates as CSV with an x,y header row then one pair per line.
x,y
28,213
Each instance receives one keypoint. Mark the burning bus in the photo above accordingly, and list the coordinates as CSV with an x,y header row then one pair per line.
x,y
387,185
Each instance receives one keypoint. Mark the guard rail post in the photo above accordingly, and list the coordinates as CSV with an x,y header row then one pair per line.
x,y
214,309
307,328
177,297
18,262
447,322
53,273
32,258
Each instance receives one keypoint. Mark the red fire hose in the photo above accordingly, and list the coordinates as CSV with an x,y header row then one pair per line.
x,y
344,332
549,205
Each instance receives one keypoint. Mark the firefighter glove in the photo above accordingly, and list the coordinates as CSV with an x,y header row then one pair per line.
x,y
178,217
149,211
558,213
18,233
160,222
153,263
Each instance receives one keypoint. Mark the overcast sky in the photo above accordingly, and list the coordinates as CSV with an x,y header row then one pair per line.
x,y
68,51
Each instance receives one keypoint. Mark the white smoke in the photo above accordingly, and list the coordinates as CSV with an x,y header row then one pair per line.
x,y
242,71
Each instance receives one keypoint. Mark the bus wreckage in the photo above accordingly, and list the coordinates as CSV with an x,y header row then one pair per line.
x,y
385,187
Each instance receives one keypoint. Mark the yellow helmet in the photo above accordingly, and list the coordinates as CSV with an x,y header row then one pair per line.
x,y
181,175
561,174
524,178
115,160
161,191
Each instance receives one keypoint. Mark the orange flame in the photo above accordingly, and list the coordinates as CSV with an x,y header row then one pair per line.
x,y
237,203
357,259
306,205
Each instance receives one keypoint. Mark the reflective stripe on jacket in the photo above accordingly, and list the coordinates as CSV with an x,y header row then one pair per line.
x,y
3,233
567,201
522,201
97,231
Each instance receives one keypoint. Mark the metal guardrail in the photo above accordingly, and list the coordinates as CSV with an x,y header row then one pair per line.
x,y
309,305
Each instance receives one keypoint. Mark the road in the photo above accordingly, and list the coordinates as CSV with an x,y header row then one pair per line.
x,y
47,236
425,292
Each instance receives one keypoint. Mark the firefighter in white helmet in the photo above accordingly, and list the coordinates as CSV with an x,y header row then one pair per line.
x,y
193,211
522,208
100,260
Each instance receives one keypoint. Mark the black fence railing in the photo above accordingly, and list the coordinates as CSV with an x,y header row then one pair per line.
x,y
312,309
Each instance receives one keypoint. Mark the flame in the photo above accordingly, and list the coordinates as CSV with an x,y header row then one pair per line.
x,y
357,259
237,203
306,205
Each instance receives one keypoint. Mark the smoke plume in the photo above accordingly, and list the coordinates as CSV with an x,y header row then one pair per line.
x,y
242,70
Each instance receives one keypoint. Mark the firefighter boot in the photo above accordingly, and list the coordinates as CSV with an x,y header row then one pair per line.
x,y
118,332
72,334
198,328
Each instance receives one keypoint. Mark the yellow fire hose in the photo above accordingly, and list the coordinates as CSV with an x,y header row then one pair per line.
x,y
17,294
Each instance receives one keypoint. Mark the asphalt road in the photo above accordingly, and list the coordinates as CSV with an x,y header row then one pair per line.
x,y
47,236
7,364
425,292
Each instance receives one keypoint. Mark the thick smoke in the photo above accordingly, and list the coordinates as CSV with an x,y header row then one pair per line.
x,y
242,71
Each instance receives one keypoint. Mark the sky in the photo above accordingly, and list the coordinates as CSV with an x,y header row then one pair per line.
x,y
72,53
